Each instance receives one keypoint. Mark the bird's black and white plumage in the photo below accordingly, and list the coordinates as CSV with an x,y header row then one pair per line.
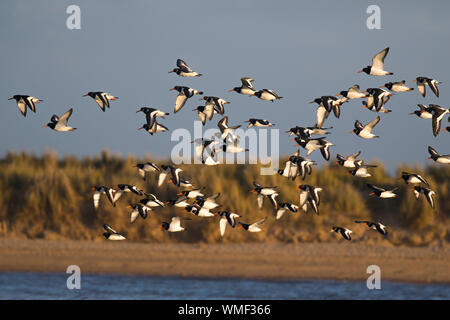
x,y
112,234
344,232
424,112
227,217
413,178
181,202
309,144
377,99
60,123
435,156
204,145
352,93
382,193
254,227
143,168
151,113
126,188
154,127
184,93
265,192
246,88
216,102
102,98
98,191
365,132
361,169
427,192
378,226
283,207
199,211
165,171
330,104
207,202
151,201
24,101
174,225
438,113
349,161
205,112
266,94
252,122
377,67
226,130
138,210
184,70
191,194
399,86
325,151
309,195
425,81
307,132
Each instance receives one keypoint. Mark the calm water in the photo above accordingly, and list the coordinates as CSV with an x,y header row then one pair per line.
x,y
31,285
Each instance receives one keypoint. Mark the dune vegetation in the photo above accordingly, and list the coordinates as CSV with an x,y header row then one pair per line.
x,y
50,198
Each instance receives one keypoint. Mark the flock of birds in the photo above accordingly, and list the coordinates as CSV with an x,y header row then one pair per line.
x,y
193,200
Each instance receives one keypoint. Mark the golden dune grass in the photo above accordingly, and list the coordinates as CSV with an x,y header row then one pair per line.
x,y
50,198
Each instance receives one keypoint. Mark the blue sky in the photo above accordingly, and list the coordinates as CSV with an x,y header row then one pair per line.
x,y
301,50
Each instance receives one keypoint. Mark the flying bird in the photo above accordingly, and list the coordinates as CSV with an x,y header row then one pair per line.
x,y
424,112
254,227
266,94
444,159
427,192
283,207
382,193
438,113
366,131
216,103
349,161
397,86
344,232
112,234
246,88
352,93
413,178
151,113
424,81
226,217
24,101
138,210
184,70
60,123
98,191
143,168
263,192
377,67
184,93
154,127
174,225
252,122
375,226
361,169
102,98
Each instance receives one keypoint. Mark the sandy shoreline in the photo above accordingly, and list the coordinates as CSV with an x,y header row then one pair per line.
x,y
339,261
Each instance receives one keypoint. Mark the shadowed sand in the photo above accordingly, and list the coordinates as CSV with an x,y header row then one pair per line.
x,y
341,261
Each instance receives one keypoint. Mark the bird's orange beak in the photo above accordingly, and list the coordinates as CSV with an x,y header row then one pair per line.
x,y
231,90
11,98
179,194
45,126
85,95
92,188
382,87
414,80
428,158
360,71
371,194
363,107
